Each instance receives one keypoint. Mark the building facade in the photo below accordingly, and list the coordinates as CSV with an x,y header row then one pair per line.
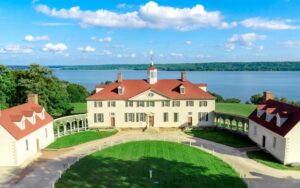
x,y
24,131
275,127
150,103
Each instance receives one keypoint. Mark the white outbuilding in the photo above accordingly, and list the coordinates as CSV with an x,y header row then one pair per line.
x,y
275,126
24,131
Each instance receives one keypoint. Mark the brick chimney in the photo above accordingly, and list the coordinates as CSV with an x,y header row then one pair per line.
x,y
120,77
34,98
183,76
268,95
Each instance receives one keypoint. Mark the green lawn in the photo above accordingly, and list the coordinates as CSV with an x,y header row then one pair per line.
x,y
223,137
268,160
172,165
238,109
79,138
79,108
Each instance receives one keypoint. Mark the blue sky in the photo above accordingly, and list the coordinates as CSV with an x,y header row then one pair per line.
x,y
73,32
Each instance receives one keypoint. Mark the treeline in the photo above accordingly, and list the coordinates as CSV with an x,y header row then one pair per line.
x,y
54,94
254,66
254,99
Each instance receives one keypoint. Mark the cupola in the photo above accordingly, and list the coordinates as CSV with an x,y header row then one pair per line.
x,y
152,72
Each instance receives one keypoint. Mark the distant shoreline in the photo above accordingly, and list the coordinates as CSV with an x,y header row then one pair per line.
x,y
253,66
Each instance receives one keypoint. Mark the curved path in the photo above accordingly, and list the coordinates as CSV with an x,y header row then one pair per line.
x,y
45,171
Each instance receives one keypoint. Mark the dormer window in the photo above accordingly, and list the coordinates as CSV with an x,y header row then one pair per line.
x,y
22,124
281,118
43,114
182,89
120,90
33,119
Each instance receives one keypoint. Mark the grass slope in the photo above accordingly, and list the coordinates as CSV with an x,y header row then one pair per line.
x,y
172,164
79,138
269,160
223,137
79,108
233,108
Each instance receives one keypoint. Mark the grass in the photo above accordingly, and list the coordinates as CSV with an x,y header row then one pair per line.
x,y
268,160
79,138
172,165
236,109
79,108
223,137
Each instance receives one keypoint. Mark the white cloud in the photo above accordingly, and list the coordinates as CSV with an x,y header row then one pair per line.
x,y
130,55
87,49
292,44
244,40
57,48
173,54
104,40
188,42
150,15
15,49
31,38
260,23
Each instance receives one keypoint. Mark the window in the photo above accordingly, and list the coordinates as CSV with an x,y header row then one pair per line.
x,y
129,103
175,116
274,142
176,103
97,104
165,103
46,132
189,103
140,104
23,124
33,119
254,130
120,90
129,117
98,117
150,103
152,74
203,116
111,103
182,89
26,145
202,103
166,117
190,113
143,117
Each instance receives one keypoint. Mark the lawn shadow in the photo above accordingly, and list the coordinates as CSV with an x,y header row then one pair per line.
x,y
95,172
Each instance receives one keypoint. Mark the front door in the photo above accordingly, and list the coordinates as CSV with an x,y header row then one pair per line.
x,y
37,144
190,121
113,121
151,121
264,141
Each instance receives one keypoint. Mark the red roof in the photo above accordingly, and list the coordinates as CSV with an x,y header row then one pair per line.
x,y
9,116
167,88
100,86
201,85
151,67
284,110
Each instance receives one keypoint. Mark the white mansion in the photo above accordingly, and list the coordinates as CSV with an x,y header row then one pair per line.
x,y
150,102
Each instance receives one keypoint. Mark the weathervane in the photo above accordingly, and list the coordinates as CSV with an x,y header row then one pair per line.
x,y
151,57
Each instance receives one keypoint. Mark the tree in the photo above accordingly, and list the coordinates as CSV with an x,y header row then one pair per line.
x,y
77,93
257,99
219,98
232,100
7,87
52,92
